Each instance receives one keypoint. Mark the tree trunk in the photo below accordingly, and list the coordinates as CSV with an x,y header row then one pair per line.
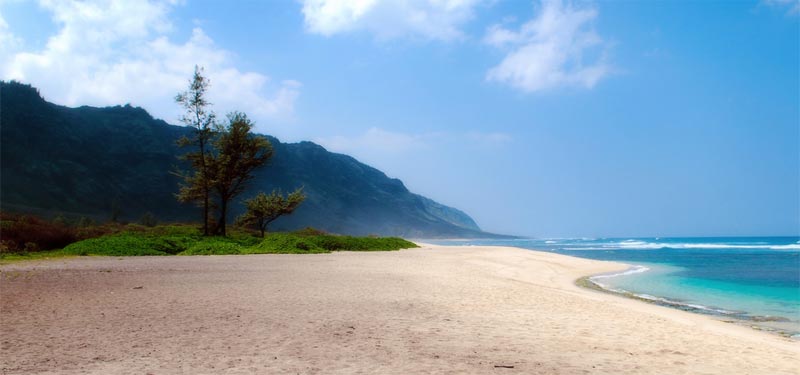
x,y
205,183
205,213
262,225
223,210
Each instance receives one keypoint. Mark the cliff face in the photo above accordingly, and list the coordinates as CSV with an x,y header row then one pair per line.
x,y
92,161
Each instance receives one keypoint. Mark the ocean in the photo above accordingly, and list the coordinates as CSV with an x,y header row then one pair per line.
x,y
750,280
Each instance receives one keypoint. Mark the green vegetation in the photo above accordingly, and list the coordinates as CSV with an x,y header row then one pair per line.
x,y
349,243
238,154
138,240
287,243
6,258
131,244
264,209
196,186
225,158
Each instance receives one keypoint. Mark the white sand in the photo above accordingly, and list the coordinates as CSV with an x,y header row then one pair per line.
x,y
430,310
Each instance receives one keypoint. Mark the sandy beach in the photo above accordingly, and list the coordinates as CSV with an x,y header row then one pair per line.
x,y
428,310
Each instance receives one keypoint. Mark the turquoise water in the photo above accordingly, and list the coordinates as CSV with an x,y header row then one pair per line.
x,y
755,279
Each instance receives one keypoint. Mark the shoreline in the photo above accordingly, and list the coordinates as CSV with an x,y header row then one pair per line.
x,y
771,324
436,309
755,322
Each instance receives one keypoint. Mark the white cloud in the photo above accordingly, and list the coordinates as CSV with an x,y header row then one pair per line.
x,y
109,52
8,41
557,48
792,5
429,19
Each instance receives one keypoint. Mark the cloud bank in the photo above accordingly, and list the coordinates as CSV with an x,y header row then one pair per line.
x,y
110,52
558,47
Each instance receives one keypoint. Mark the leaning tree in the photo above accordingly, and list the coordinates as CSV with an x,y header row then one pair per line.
x,y
264,209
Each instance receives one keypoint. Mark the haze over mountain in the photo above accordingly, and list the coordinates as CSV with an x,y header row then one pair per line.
x,y
90,161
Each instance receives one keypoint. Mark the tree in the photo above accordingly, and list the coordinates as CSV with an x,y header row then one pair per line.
x,y
148,219
264,209
196,185
116,211
238,154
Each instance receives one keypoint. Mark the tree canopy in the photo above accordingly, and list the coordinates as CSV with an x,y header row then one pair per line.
x,y
238,153
264,209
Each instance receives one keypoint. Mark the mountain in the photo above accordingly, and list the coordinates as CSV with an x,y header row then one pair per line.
x,y
89,161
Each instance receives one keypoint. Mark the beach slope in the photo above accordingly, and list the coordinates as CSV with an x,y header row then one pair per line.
x,y
428,310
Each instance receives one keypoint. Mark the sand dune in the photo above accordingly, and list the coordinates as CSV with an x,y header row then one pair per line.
x,y
429,310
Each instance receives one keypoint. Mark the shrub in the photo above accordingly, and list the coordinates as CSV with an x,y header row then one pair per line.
x,y
284,243
309,231
17,231
213,246
83,233
30,235
348,243
148,220
85,222
130,244
244,238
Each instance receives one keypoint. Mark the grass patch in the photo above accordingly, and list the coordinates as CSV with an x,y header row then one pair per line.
x,y
7,258
26,237
349,243
186,240
285,243
131,244
214,246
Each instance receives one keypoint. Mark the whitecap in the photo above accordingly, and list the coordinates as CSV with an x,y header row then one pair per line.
x,y
629,271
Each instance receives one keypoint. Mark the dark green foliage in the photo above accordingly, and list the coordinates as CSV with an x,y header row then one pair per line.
x,y
285,243
186,240
349,243
242,238
78,161
301,244
116,212
131,244
60,220
214,246
139,240
196,184
309,231
264,209
237,153
148,220
85,222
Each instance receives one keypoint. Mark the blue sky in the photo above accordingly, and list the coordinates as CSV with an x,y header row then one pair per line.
x,y
548,119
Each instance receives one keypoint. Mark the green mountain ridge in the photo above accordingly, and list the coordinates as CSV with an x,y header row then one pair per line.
x,y
91,161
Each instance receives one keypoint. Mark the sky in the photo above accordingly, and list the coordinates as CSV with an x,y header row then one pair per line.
x,y
537,118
